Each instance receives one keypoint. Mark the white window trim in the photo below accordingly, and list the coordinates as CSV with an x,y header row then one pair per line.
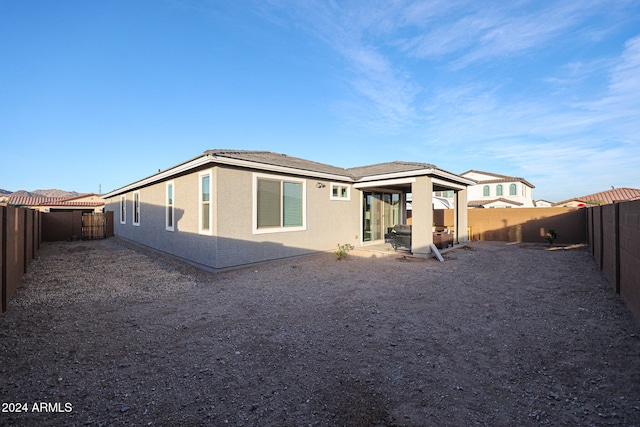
x,y
338,185
209,173
133,216
254,209
123,209
172,207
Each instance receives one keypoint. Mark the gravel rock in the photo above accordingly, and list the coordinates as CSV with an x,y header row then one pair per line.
x,y
496,335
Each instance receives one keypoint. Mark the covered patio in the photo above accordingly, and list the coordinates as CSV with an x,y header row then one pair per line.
x,y
384,205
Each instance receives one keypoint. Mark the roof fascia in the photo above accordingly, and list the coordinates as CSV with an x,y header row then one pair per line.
x,y
385,182
183,167
450,178
210,158
449,184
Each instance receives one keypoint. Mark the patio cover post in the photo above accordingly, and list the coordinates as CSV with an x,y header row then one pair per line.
x,y
422,216
461,226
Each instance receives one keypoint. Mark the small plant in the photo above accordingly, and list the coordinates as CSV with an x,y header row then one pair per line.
x,y
551,236
343,250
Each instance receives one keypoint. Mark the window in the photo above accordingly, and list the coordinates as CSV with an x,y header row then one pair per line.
x,y
205,203
512,190
499,190
136,208
169,207
123,209
279,204
340,192
485,191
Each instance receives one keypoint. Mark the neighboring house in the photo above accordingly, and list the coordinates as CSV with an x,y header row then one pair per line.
x,y
229,208
602,198
543,203
498,191
436,201
83,202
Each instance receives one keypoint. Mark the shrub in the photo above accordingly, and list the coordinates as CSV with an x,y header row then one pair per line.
x,y
343,250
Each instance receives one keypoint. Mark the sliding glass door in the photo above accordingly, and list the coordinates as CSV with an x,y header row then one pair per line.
x,y
380,212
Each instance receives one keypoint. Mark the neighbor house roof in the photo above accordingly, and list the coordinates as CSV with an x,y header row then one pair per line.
x,y
282,163
34,201
497,178
606,197
30,200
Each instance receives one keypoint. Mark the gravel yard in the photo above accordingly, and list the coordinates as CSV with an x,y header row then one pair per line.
x,y
104,333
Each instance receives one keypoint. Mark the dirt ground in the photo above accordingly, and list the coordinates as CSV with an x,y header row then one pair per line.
x,y
102,333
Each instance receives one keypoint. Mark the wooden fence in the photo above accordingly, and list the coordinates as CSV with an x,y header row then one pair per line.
x,y
20,237
94,226
64,226
614,233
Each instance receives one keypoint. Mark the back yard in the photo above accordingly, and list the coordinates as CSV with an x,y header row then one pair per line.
x,y
103,333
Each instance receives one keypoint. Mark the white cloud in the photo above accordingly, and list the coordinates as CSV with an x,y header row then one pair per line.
x,y
586,114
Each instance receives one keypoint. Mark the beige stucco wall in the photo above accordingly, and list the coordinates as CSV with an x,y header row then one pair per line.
x,y
329,222
232,241
184,241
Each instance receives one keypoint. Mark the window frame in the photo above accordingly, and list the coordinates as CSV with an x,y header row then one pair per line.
x,y
201,203
123,209
282,179
170,206
339,186
136,209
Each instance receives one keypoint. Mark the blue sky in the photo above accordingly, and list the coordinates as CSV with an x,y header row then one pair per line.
x,y
103,93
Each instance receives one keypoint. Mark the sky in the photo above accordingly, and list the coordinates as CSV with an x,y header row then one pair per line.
x,y
96,94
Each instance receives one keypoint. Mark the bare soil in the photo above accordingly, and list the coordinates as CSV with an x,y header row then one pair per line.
x,y
104,333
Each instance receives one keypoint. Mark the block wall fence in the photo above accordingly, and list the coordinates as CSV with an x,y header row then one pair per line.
x,y
614,240
20,237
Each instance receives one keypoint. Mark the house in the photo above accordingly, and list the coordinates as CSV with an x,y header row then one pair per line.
x,y
541,203
498,191
602,198
228,208
83,202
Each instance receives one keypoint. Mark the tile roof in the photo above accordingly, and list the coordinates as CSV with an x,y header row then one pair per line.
x,y
48,201
498,178
277,159
267,160
606,197
30,200
388,167
66,203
